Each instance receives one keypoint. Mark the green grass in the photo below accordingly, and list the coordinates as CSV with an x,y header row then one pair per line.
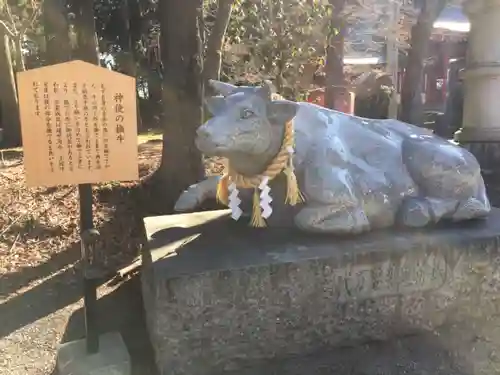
x,y
12,149
150,135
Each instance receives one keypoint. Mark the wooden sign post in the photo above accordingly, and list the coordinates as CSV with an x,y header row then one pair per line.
x,y
79,126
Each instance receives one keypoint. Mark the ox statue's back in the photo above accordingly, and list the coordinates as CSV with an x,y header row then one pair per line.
x,y
352,174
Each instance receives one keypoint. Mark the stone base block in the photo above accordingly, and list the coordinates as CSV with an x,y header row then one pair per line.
x,y
220,296
112,358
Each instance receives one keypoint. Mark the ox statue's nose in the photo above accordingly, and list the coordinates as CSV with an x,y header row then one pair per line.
x,y
204,140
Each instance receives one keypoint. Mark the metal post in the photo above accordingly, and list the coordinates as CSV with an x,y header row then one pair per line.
x,y
90,307
89,237
86,214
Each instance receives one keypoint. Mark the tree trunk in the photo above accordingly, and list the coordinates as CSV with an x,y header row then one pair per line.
x,y
412,110
154,86
135,25
8,96
213,60
181,163
334,68
281,62
269,52
56,31
20,66
154,97
128,61
85,28
155,89
137,28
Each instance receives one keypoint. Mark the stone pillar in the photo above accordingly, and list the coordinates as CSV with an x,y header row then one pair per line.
x,y
481,121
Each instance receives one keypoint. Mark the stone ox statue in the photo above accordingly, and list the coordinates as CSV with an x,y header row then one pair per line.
x,y
354,174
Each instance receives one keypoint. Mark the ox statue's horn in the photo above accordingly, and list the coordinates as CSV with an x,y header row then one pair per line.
x,y
222,88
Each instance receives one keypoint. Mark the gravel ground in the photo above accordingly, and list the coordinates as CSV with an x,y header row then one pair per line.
x,y
45,313
40,283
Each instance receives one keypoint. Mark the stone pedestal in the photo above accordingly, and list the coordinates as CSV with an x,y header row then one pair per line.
x,y
220,296
112,358
481,121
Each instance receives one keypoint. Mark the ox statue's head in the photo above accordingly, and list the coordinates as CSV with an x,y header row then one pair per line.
x,y
245,121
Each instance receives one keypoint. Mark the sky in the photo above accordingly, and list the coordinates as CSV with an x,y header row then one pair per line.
x,y
452,18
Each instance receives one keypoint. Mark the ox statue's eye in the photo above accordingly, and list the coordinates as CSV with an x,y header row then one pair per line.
x,y
246,113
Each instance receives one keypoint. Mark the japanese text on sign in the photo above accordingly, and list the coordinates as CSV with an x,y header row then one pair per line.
x,y
77,131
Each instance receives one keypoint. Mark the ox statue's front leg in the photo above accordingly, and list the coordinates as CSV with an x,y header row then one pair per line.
x,y
196,194
331,206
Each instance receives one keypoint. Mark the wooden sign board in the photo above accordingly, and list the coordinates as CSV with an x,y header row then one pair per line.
x,y
79,125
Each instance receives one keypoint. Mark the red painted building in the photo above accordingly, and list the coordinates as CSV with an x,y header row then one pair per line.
x,y
448,43
444,48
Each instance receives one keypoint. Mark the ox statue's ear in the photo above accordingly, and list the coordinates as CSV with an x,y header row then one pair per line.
x,y
215,104
221,88
280,111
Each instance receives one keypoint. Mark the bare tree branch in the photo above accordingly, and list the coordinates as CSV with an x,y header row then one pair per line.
x,y
10,17
6,29
9,23
36,13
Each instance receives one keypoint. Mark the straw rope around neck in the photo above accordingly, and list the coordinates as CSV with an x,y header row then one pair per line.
x,y
227,189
